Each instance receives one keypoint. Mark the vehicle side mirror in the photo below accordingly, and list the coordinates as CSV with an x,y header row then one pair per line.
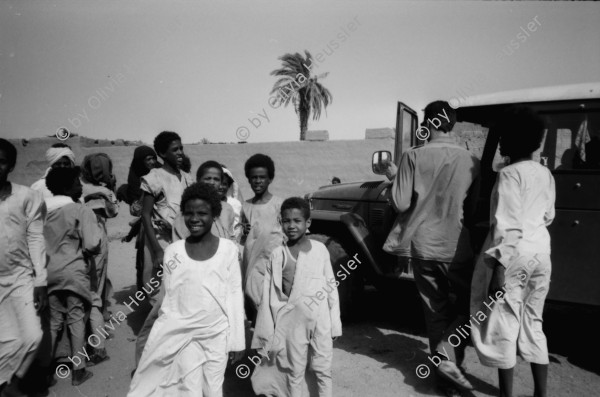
x,y
380,162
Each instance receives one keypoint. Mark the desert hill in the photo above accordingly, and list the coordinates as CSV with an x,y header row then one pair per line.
x,y
300,167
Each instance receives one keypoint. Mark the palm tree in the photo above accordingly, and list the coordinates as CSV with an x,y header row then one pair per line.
x,y
297,85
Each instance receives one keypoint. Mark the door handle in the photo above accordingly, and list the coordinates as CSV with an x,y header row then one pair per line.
x,y
575,222
577,185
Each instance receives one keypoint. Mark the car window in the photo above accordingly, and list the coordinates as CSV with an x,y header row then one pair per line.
x,y
571,140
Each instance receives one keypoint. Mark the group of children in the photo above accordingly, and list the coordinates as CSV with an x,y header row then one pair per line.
x,y
227,267
53,266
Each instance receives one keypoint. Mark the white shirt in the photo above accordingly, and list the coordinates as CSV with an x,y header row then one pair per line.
x,y
521,208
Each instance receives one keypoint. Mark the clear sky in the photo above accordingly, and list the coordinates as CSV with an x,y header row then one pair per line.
x,y
130,69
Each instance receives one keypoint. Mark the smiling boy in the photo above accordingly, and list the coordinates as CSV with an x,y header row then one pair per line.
x,y
260,217
162,189
297,334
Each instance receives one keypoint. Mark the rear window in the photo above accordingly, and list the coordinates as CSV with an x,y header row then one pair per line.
x,y
571,140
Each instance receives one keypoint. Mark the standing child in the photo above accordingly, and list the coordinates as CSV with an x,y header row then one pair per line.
x,y
230,193
72,233
162,189
144,160
202,314
209,173
260,217
98,183
23,290
517,251
299,314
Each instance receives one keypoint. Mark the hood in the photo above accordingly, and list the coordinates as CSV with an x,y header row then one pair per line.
x,y
356,191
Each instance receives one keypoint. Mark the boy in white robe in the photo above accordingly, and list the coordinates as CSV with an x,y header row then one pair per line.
x,y
512,275
299,315
221,227
23,285
260,218
162,189
201,318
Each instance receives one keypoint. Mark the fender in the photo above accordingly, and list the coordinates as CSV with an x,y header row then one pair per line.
x,y
357,228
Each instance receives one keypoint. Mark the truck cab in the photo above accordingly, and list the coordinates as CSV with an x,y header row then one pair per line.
x,y
354,219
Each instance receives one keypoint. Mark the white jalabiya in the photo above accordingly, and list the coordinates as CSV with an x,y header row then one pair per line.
x,y
201,319
522,206
295,334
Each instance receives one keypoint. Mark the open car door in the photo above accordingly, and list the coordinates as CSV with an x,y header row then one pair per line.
x,y
406,127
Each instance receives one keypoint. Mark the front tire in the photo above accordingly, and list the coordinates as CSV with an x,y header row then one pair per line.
x,y
350,289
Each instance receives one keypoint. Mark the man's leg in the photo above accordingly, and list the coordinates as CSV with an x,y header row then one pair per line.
x,y
433,285
57,317
20,339
30,326
76,323
459,276
433,288
11,346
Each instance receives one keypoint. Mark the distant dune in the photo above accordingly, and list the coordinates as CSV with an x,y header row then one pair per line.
x,y
300,167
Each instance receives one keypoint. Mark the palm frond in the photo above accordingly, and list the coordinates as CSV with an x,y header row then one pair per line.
x,y
305,92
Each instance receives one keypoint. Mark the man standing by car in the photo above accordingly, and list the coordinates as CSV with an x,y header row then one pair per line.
x,y
434,191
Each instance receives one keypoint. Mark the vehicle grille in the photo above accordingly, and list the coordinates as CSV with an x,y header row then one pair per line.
x,y
370,185
376,216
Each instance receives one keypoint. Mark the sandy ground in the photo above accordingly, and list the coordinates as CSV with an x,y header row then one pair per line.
x,y
377,356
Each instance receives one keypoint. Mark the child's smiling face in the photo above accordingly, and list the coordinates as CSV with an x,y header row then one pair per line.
x,y
174,154
198,217
259,180
294,223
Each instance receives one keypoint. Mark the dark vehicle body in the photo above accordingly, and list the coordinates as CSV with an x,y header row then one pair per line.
x,y
355,218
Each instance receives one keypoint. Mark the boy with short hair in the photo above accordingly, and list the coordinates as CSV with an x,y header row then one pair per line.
x,y
202,317
23,291
72,233
515,262
211,173
260,217
162,189
299,314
